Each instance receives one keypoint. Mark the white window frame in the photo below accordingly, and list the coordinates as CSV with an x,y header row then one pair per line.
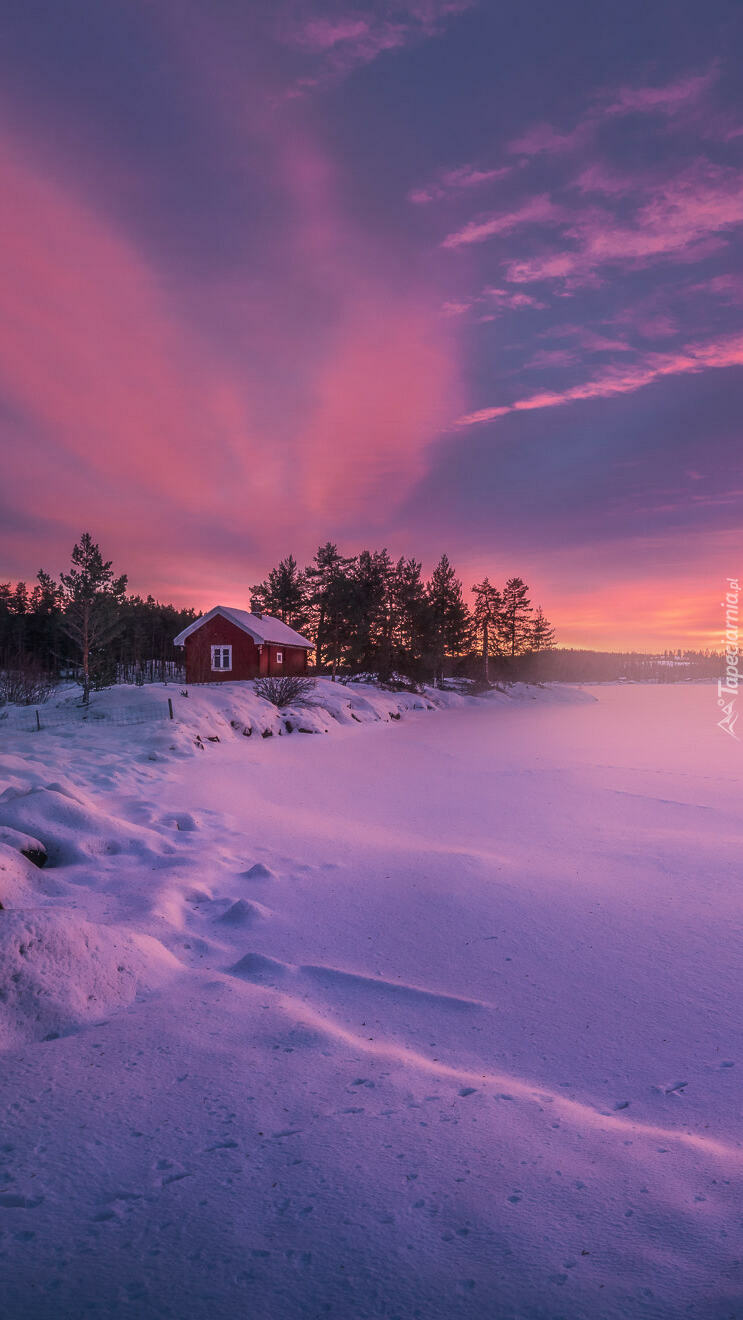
x,y
218,665
279,657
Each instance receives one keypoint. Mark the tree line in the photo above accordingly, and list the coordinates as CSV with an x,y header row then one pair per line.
x,y
85,625
574,666
370,613
365,613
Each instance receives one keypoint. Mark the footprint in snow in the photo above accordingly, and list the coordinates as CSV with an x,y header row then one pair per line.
x,y
183,821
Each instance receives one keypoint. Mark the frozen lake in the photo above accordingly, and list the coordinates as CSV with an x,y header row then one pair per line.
x,y
438,1018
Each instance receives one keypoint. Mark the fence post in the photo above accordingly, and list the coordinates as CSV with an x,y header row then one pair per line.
x,y
38,722
170,707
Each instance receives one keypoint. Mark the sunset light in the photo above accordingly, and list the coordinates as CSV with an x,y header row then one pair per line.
x,y
371,497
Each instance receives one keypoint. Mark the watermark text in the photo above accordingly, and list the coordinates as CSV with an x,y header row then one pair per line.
x,y
728,687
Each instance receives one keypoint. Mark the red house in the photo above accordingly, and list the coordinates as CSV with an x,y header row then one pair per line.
x,y
227,644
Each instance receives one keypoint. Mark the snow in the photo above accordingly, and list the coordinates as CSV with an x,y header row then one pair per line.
x,y
437,1017
261,627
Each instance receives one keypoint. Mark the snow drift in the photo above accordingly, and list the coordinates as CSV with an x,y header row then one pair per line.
x,y
58,971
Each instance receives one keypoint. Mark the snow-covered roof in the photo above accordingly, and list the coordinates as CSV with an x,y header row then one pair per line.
x,y
261,627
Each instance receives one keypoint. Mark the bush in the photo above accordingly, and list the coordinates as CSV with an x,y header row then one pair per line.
x,y
284,691
25,685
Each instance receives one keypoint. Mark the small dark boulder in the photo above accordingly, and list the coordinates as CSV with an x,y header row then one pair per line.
x,y
30,848
35,855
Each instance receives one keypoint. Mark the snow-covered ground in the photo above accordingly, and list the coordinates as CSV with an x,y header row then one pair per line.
x,y
435,1018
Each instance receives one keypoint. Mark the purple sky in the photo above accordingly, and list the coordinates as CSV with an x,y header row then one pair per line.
x,y
436,274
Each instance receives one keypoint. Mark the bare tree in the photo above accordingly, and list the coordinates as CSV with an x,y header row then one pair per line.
x,y
284,690
25,683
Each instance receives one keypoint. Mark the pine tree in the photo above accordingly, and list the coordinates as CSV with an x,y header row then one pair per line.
x,y
369,622
409,617
542,634
515,617
283,594
327,597
92,608
486,617
449,618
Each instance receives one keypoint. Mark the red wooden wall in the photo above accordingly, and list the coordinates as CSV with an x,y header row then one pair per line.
x,y
247,660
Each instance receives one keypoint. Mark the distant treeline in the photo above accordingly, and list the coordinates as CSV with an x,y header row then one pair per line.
x,y
573,666
31,627
365,613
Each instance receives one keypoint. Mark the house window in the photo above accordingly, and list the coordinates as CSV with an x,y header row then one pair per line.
x,y
221,658
279,657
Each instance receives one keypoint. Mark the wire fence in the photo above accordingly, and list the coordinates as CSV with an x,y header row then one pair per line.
x,y
32,719
150,671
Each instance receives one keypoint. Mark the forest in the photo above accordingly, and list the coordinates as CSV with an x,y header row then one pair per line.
x,y
366,613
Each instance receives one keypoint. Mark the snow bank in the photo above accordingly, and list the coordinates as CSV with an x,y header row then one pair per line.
x,y
69,828
219,712
20,881
58,971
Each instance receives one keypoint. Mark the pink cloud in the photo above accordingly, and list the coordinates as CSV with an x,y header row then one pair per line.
x,y
538,210
588,339
90,349
727,352
682,220
599,178
321,34
661,326
543,139
458,308
648,317
666,99
378,399
596,343
514,301
341,42
496,301
350,41
729,288
553,357
137,414
451,182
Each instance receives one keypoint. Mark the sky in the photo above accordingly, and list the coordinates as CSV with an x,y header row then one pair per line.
x,y
440,275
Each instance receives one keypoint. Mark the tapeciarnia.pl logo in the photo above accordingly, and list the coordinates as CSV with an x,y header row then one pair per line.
x,y
727,687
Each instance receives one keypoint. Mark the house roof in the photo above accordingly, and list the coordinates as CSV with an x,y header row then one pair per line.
x,y
261,627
